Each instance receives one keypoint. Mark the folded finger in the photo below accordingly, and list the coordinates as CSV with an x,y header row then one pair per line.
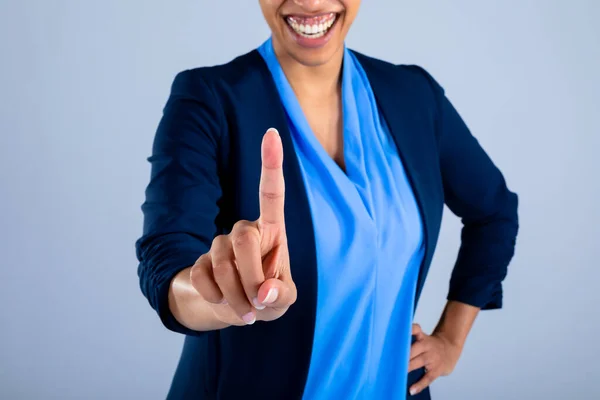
x,y
228,279
421,385
246,248
416,328
418,362
417,332
201,276
417,349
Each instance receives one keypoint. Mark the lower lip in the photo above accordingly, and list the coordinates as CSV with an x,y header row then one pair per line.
x,y
310,42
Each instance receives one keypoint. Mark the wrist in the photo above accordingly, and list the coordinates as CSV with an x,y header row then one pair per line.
x,y
455,323
449,339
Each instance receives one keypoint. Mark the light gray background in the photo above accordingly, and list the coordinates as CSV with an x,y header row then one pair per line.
x,y
82,86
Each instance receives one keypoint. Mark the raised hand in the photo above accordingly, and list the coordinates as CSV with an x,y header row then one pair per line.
x,y
246,274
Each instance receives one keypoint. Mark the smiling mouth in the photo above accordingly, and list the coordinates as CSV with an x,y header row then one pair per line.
x,y
312,27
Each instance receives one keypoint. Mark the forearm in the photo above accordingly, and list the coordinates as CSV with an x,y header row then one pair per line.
x,y
192,311
456,322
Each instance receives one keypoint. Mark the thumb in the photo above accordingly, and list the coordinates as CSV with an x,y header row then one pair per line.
x,y
277,294
278,290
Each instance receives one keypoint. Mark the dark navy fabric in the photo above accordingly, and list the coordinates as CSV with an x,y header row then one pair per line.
x,y
205,170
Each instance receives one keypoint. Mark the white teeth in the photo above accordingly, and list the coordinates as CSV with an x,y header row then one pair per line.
x,y
311,31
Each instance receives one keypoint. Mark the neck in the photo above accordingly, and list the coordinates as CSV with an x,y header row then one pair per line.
x,y
321,82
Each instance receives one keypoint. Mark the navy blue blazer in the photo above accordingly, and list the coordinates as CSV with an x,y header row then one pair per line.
x,y
205,174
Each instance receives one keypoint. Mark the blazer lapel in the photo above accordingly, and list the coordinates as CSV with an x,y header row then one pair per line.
x,y
410,127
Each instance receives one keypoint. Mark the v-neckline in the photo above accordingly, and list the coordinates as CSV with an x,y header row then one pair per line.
x,y
311,137
355,174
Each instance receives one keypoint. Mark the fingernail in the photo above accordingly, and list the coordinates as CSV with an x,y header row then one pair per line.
x,y
249,318
413,391
271,296
257,304
274,130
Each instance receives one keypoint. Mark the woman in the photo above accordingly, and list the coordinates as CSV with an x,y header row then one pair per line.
x,y
313,296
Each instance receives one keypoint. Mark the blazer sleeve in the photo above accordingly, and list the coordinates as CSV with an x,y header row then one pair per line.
x,y
180,206
475,190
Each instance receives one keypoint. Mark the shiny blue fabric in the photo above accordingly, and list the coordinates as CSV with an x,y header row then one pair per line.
x,y
369,238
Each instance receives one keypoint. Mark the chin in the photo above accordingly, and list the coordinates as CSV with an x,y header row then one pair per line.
x,y
314,58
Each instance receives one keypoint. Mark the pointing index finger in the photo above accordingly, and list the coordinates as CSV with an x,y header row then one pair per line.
x,y
272,186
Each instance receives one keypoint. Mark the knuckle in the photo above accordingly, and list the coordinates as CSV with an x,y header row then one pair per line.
x,y
201,260
241,224
218,242
271,196
197,274
199,264
245,236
